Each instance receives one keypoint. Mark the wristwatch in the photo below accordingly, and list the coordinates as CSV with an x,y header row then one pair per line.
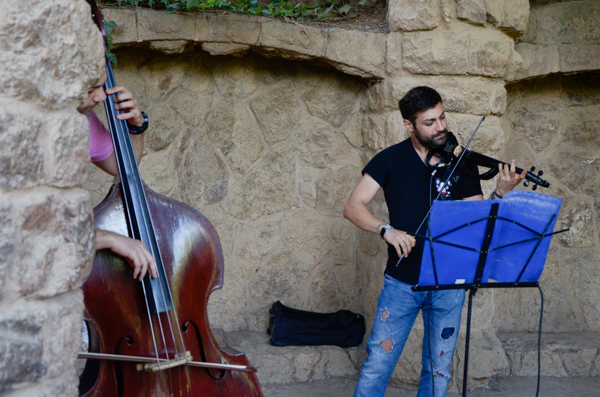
x,y
133,129
384,230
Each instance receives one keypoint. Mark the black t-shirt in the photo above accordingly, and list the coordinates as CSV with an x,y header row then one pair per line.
x,y
409,188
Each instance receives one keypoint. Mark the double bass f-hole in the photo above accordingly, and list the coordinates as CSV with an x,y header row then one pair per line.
x,y
153,338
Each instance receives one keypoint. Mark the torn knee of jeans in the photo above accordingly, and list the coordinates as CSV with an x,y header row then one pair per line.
x,y
438,373
447,332
384,314
387,345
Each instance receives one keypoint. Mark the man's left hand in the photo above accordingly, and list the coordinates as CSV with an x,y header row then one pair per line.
x,y
508,178
128,104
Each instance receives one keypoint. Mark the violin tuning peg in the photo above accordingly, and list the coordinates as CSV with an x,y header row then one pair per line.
x,y
540,173
532,169
526,183
534,187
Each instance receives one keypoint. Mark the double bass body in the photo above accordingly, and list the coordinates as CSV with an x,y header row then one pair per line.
x,y
117,313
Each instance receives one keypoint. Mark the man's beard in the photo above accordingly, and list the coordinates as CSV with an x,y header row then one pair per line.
x,y
437,141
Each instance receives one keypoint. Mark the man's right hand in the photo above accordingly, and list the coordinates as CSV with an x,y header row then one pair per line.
x,y
402,241
134,251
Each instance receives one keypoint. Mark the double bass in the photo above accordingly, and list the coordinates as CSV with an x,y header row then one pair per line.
x,y
153,338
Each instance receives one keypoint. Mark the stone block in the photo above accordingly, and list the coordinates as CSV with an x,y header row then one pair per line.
x,y
328,96
579,363
157,171
369,62
515,17
489,139
232,130
35,347
577,216
212,185
580,125
538,60
38,148
318,145
333,189
539,127
486,355
55,243
271,184
277,111
232,28
393,59
460,49
257,242
383,130
225,49
21,150
22,350
126,20
408,15
436,52
338,363
156,25
353,129
234,79
473,11
472,95
293,38
580,173
492,54
310,227
50,70
169,47
565,23
579,57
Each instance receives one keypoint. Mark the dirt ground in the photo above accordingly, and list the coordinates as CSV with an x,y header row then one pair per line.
x,y
499,387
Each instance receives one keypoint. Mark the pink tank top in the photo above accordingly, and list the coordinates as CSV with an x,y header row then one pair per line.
x,y
100,146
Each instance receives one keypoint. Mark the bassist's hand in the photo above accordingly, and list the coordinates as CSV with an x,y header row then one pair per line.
x,y
127,103
134,251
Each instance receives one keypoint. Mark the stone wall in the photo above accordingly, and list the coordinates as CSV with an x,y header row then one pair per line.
x,y
50,51
264,126
269,151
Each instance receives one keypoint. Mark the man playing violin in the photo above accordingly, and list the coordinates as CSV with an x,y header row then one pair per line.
x,y
409,187
103,156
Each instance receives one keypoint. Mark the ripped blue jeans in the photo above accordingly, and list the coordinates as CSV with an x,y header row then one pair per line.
x,y
397,309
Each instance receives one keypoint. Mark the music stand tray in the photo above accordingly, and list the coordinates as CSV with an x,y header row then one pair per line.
x,y
469,243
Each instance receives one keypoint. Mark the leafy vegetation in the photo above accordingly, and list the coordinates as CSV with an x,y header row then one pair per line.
x,y
320,9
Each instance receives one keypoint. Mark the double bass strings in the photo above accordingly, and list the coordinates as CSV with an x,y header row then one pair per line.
x,y
124,145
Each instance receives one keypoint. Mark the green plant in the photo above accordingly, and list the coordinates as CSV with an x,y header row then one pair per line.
x,y
275,8
108,27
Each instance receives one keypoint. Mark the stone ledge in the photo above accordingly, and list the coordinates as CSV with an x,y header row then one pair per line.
x,y
286,364
353,52
572,354
543,59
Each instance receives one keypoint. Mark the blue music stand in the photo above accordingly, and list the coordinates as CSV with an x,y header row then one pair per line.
x,y
469,243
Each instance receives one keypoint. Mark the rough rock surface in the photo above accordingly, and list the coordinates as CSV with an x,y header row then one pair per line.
x,y
51,52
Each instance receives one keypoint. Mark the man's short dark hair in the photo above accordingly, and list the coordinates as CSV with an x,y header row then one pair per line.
x,y
419,99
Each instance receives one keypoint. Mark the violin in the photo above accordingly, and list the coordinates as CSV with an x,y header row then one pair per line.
x,y
152,338
452,151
